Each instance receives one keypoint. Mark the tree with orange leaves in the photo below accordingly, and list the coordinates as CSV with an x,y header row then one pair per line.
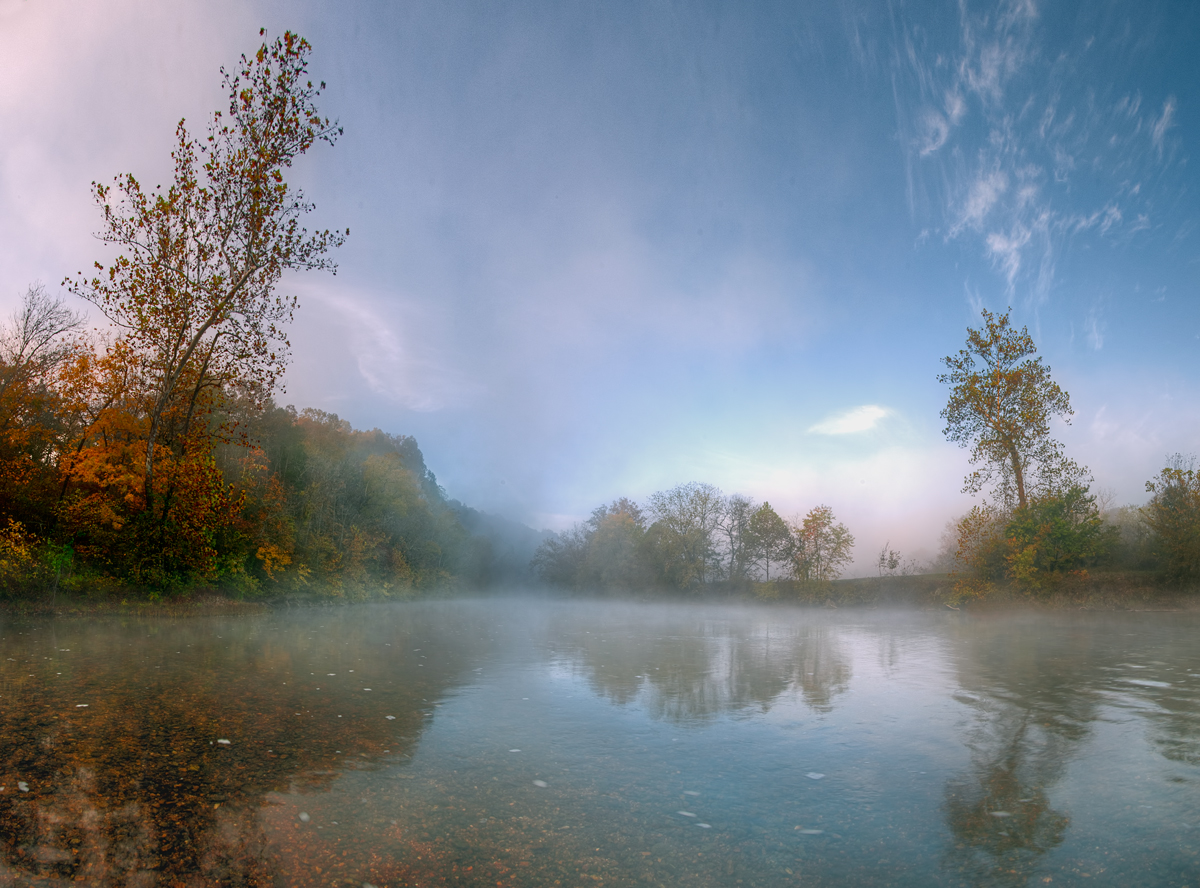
x,y
35,344
192,291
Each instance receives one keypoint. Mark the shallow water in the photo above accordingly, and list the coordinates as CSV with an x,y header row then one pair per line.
x,y
558,743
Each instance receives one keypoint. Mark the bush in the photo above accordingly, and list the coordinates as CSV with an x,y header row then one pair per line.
x,y
1035,547
1173,515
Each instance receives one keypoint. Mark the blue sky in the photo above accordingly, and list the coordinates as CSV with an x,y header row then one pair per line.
x,y
602,249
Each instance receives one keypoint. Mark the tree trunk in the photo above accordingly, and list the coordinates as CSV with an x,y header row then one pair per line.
x,y
1019,475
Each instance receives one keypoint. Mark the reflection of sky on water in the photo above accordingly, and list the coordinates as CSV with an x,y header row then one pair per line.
x,y
530,742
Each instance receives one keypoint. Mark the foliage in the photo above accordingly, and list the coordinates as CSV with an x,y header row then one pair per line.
x,y
821,548
154,454
1134,541
979,553
698,541
40,338
1001,403
770,539
683,538
349,510
16,556
606,552
1035,547
192,291
1056,536
1173,515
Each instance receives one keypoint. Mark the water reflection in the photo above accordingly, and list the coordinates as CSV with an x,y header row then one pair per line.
x,y
486,742
715,663
999,814
137,753
1037,686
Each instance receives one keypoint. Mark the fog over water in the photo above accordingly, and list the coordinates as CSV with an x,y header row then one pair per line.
x,y
525,742
598,251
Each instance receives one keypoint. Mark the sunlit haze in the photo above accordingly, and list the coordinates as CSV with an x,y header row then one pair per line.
x,y
599,250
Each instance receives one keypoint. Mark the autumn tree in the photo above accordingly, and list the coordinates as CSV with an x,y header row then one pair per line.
x,y
614,536
821,547
192,292
1002,401
36,343
1173,515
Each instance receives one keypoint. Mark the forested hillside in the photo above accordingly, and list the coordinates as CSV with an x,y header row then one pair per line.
x,y
147,453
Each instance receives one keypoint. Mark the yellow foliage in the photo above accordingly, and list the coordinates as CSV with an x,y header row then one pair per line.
x,y
273,558
15,556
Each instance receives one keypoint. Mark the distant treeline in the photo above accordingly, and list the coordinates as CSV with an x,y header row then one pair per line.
x,y
693,538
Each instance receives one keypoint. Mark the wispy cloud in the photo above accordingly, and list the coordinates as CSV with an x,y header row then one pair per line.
x,y
985,191
1158,129
1094,327
935,130
859,419
1005,250
1007,149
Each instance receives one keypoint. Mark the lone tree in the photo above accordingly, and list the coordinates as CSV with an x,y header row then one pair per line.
x,y
192,291
1001,402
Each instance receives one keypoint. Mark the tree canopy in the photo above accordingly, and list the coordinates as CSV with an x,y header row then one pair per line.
x,y
192,291
1002,401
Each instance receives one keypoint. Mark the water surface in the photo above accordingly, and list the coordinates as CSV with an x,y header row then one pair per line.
x,y
566,743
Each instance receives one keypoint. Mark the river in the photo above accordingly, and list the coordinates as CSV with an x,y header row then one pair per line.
x,y
544,743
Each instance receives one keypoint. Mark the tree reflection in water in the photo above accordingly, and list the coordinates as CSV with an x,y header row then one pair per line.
x,y
1030,691
712,667
1000,816
135,788
530,778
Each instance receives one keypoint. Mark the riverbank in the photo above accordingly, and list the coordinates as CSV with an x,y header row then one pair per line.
x,y
1100,591
1111,591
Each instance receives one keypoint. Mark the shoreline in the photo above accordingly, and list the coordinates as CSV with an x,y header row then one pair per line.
x,y
1112,593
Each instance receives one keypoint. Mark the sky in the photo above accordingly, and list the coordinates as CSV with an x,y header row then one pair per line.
x,y
601,249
